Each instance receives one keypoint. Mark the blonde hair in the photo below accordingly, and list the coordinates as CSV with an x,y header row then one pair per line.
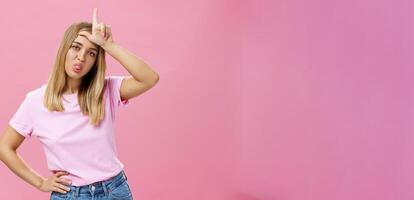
x,y
91,90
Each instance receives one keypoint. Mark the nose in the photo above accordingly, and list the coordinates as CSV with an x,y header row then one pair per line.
x,y
81,55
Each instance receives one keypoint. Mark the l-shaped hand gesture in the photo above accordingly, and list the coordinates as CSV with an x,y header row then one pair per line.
x,y
101,33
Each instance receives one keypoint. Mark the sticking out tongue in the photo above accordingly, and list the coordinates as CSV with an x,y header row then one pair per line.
x,y
77,67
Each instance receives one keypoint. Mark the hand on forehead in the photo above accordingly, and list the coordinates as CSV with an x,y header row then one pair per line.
x,y
83,39
101,33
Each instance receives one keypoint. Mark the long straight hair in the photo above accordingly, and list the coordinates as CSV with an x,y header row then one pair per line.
x,y
91,90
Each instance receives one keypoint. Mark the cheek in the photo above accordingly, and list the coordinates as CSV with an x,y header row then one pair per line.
x,y
90,64
71,54
92,60
69,57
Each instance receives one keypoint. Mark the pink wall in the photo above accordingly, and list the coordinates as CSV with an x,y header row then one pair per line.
x,y
327,96
257,100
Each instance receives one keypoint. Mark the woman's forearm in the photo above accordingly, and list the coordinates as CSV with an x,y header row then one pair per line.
x,y
19,167
140,70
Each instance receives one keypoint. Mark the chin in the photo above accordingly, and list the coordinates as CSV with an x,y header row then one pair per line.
x,y
74,76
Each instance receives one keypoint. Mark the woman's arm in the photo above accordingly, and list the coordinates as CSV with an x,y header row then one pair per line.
x,y
142,76
9,142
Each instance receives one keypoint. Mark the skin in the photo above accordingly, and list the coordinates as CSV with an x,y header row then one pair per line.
x,y
82,52
141,79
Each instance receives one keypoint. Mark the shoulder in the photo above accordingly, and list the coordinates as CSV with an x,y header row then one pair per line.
x,y
113,79
113,82
33,98
37,93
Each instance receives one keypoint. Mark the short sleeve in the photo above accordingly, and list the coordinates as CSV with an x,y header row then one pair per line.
x,y
22,121
114,84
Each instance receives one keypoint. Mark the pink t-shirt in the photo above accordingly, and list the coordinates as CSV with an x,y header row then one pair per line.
x,y
69,141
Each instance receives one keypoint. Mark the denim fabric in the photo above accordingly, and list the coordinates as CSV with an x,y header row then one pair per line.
x,y
115,188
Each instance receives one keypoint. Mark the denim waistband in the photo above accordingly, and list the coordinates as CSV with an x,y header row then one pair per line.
x,y
100,187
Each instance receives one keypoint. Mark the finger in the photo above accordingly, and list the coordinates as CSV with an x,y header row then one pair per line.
x,y
96,29
64,181
108,30
95,21
95,17
102,26
55,171
56,189
62,187
59,174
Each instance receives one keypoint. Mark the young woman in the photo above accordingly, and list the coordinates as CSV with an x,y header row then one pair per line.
x,y
73,117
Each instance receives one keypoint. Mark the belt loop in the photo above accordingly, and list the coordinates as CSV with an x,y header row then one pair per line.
x,y
104,188
76,191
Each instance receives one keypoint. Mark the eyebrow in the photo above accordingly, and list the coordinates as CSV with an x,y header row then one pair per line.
x,y
76,42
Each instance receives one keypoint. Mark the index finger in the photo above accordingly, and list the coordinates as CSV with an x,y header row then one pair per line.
x,y
61,173
95,17
56,171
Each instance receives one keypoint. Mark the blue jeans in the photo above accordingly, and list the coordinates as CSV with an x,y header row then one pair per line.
x,y
115,188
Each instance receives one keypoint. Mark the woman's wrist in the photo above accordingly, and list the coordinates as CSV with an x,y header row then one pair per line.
x,y
106,45
39,184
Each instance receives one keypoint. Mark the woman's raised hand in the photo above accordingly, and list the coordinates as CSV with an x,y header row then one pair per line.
x,y
101,33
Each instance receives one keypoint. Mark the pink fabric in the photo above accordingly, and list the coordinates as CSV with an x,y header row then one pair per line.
x,y
69,141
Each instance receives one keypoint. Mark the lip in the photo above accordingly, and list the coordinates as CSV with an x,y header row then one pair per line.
x,y
77,67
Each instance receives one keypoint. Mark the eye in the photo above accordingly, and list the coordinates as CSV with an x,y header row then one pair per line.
x,y
75,47
92,54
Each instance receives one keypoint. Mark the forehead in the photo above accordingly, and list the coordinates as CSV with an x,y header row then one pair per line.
x,y
85,42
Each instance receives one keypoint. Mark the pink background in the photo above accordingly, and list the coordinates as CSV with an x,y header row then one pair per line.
x,y
257,100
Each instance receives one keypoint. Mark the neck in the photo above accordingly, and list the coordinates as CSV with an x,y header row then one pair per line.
x,y
72,85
